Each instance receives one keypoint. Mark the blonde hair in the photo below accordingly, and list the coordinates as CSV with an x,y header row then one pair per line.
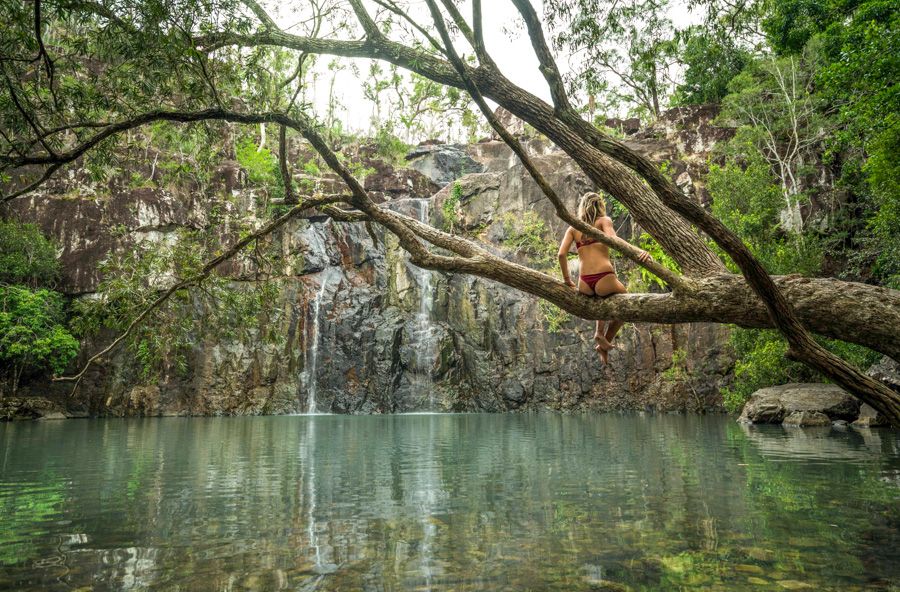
x,y
591,207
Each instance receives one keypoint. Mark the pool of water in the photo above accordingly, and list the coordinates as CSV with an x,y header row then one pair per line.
x,y
446,502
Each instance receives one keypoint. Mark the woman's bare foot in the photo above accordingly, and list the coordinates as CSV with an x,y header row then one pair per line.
x,y
603,343
604,355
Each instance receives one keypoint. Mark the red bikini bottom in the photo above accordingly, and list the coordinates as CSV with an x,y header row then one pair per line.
x,y
591,279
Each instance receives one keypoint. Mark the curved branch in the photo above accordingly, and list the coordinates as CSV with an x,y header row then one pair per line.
x,y
204,273
674,235
547,64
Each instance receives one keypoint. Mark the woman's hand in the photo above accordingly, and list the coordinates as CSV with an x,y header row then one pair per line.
x,y
569,282
644,257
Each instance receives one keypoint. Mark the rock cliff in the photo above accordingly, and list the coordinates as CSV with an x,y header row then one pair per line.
x,y
362,329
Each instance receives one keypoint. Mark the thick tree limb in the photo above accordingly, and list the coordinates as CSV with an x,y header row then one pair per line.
x,y
831,308
290,198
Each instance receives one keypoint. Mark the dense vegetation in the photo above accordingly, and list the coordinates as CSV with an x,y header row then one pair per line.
x,y
33,333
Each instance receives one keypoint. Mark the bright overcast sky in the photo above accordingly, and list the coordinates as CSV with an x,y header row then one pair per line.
x,y
506,40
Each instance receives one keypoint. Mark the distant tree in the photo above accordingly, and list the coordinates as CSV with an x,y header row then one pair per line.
x,y
773,102
859,77
623,51
26,256
710,62
33,336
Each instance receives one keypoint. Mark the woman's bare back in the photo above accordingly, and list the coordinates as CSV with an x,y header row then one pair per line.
x,y
593,255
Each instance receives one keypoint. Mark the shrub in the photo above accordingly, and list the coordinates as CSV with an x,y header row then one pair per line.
x,y
451,205
527,234
761,362
261,165
26,256
553,315
32,334
389,146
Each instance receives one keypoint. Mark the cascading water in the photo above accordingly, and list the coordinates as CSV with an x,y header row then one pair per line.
x,y
311,364
423,338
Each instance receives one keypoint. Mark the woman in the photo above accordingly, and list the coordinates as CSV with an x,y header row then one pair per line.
x,y
597,274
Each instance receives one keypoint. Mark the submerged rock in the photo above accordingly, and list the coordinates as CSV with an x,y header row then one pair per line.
x,y
17,408
799,401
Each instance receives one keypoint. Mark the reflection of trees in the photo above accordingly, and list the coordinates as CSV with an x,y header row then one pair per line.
x,y
824,493
452,502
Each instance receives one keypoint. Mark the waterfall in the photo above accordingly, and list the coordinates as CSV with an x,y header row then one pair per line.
x,y
312,349
423,335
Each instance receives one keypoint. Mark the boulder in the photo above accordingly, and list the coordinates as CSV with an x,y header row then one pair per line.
x,y
776,403
628,127
443,163
807,419
869,418
886,371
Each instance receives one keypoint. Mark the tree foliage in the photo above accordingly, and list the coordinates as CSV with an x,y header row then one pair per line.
x,y
33,335
624,50
710,63
26,256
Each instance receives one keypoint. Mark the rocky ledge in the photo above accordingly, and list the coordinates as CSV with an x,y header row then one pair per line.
x,y
808,405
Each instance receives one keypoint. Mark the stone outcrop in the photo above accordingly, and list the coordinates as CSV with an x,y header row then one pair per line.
x,y
808,419
886,371
800,404
388,336
442,163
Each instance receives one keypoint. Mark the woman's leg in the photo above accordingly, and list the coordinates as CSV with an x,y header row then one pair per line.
x,y
608,286
602,345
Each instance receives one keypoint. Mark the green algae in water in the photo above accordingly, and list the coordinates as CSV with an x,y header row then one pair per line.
x,y
447,502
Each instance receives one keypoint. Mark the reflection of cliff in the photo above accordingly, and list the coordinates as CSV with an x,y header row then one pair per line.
x,y
366,332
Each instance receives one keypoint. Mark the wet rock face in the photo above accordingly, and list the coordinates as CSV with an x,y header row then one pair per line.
x,y
800,404
387,336
442,163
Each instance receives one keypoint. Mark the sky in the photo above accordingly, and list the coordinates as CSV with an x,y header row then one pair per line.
x,y
505,37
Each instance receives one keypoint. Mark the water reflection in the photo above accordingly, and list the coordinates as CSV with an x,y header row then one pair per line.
x,y
446,502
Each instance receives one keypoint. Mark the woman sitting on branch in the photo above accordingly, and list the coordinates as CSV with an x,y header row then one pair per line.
x,y
596,271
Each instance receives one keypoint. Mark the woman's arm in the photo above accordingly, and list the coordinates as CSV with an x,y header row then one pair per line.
x,y
606,225
563,255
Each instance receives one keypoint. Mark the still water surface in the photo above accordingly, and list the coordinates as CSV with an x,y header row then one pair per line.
x,y
446,502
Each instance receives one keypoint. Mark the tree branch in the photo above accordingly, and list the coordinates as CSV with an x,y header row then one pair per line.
x,y
290,198
545,57
196,279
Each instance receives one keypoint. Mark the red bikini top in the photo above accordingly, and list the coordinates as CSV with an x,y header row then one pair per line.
x,y
587,241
